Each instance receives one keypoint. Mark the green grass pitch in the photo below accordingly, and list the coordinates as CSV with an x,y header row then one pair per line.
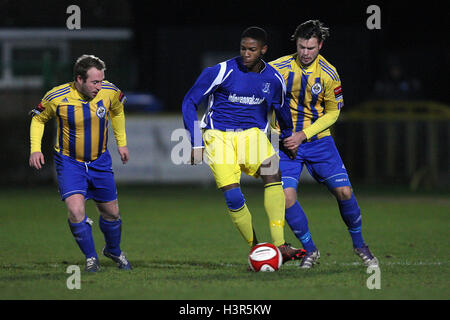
x,y
183,245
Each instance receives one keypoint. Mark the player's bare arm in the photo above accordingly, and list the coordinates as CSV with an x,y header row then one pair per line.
x,y
37,160
196,155
290,152
295,140
124,154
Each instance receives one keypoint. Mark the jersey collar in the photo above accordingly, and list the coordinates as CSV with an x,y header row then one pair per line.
x,y
244,68
308,69
78,95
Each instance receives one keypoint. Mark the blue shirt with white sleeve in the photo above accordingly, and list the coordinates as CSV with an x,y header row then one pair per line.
x,y
237,99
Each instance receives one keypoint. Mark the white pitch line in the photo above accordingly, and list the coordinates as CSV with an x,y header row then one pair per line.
x,y
388,263
296,264
292,264
382,263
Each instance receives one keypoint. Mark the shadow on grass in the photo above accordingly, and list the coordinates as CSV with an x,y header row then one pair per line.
x,y
36,271
201,270
169,269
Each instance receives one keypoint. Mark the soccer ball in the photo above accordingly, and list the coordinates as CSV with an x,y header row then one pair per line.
x,y
265,257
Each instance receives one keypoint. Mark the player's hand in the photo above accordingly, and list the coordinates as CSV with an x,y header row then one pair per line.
x,y
196,156
292,153
124,154
36,160
294,140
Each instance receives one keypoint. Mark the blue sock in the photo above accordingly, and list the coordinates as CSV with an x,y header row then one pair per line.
x,y
112,230
82,233
297,221
351,214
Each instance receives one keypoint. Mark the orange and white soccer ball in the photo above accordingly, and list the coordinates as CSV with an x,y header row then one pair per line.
x,y
265,257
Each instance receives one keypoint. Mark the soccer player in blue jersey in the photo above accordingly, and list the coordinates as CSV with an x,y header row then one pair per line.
x,y
240,93
83,164
314,95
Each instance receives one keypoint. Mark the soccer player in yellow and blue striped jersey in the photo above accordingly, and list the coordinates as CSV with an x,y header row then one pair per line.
x,y
314,95
82,124
82,109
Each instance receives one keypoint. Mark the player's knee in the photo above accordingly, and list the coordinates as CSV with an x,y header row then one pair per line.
x,y
234,198
290,197
271,177
110,216
270,168
76,215
76,208
343,193
109,210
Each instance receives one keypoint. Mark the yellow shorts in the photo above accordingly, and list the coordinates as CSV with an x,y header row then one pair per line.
x,y
228,153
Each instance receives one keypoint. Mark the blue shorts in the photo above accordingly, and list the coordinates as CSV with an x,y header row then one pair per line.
x,y
94,180
322,160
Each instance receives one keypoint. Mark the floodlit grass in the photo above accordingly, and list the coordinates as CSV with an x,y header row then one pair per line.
x,y
183,246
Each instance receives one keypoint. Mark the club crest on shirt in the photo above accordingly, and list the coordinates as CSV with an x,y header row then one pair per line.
x,y
266,87
316,88
101,111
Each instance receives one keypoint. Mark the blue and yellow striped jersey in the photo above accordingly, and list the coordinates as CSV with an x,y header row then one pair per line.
x,y
82,131
314,94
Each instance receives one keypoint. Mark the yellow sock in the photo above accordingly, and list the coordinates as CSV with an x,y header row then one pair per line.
x,y
274,205
242,219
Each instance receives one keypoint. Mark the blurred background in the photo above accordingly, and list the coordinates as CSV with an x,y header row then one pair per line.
x,y
394,128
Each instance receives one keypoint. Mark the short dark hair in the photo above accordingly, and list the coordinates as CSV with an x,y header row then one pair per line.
x,y
310,29
86,62
256,33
